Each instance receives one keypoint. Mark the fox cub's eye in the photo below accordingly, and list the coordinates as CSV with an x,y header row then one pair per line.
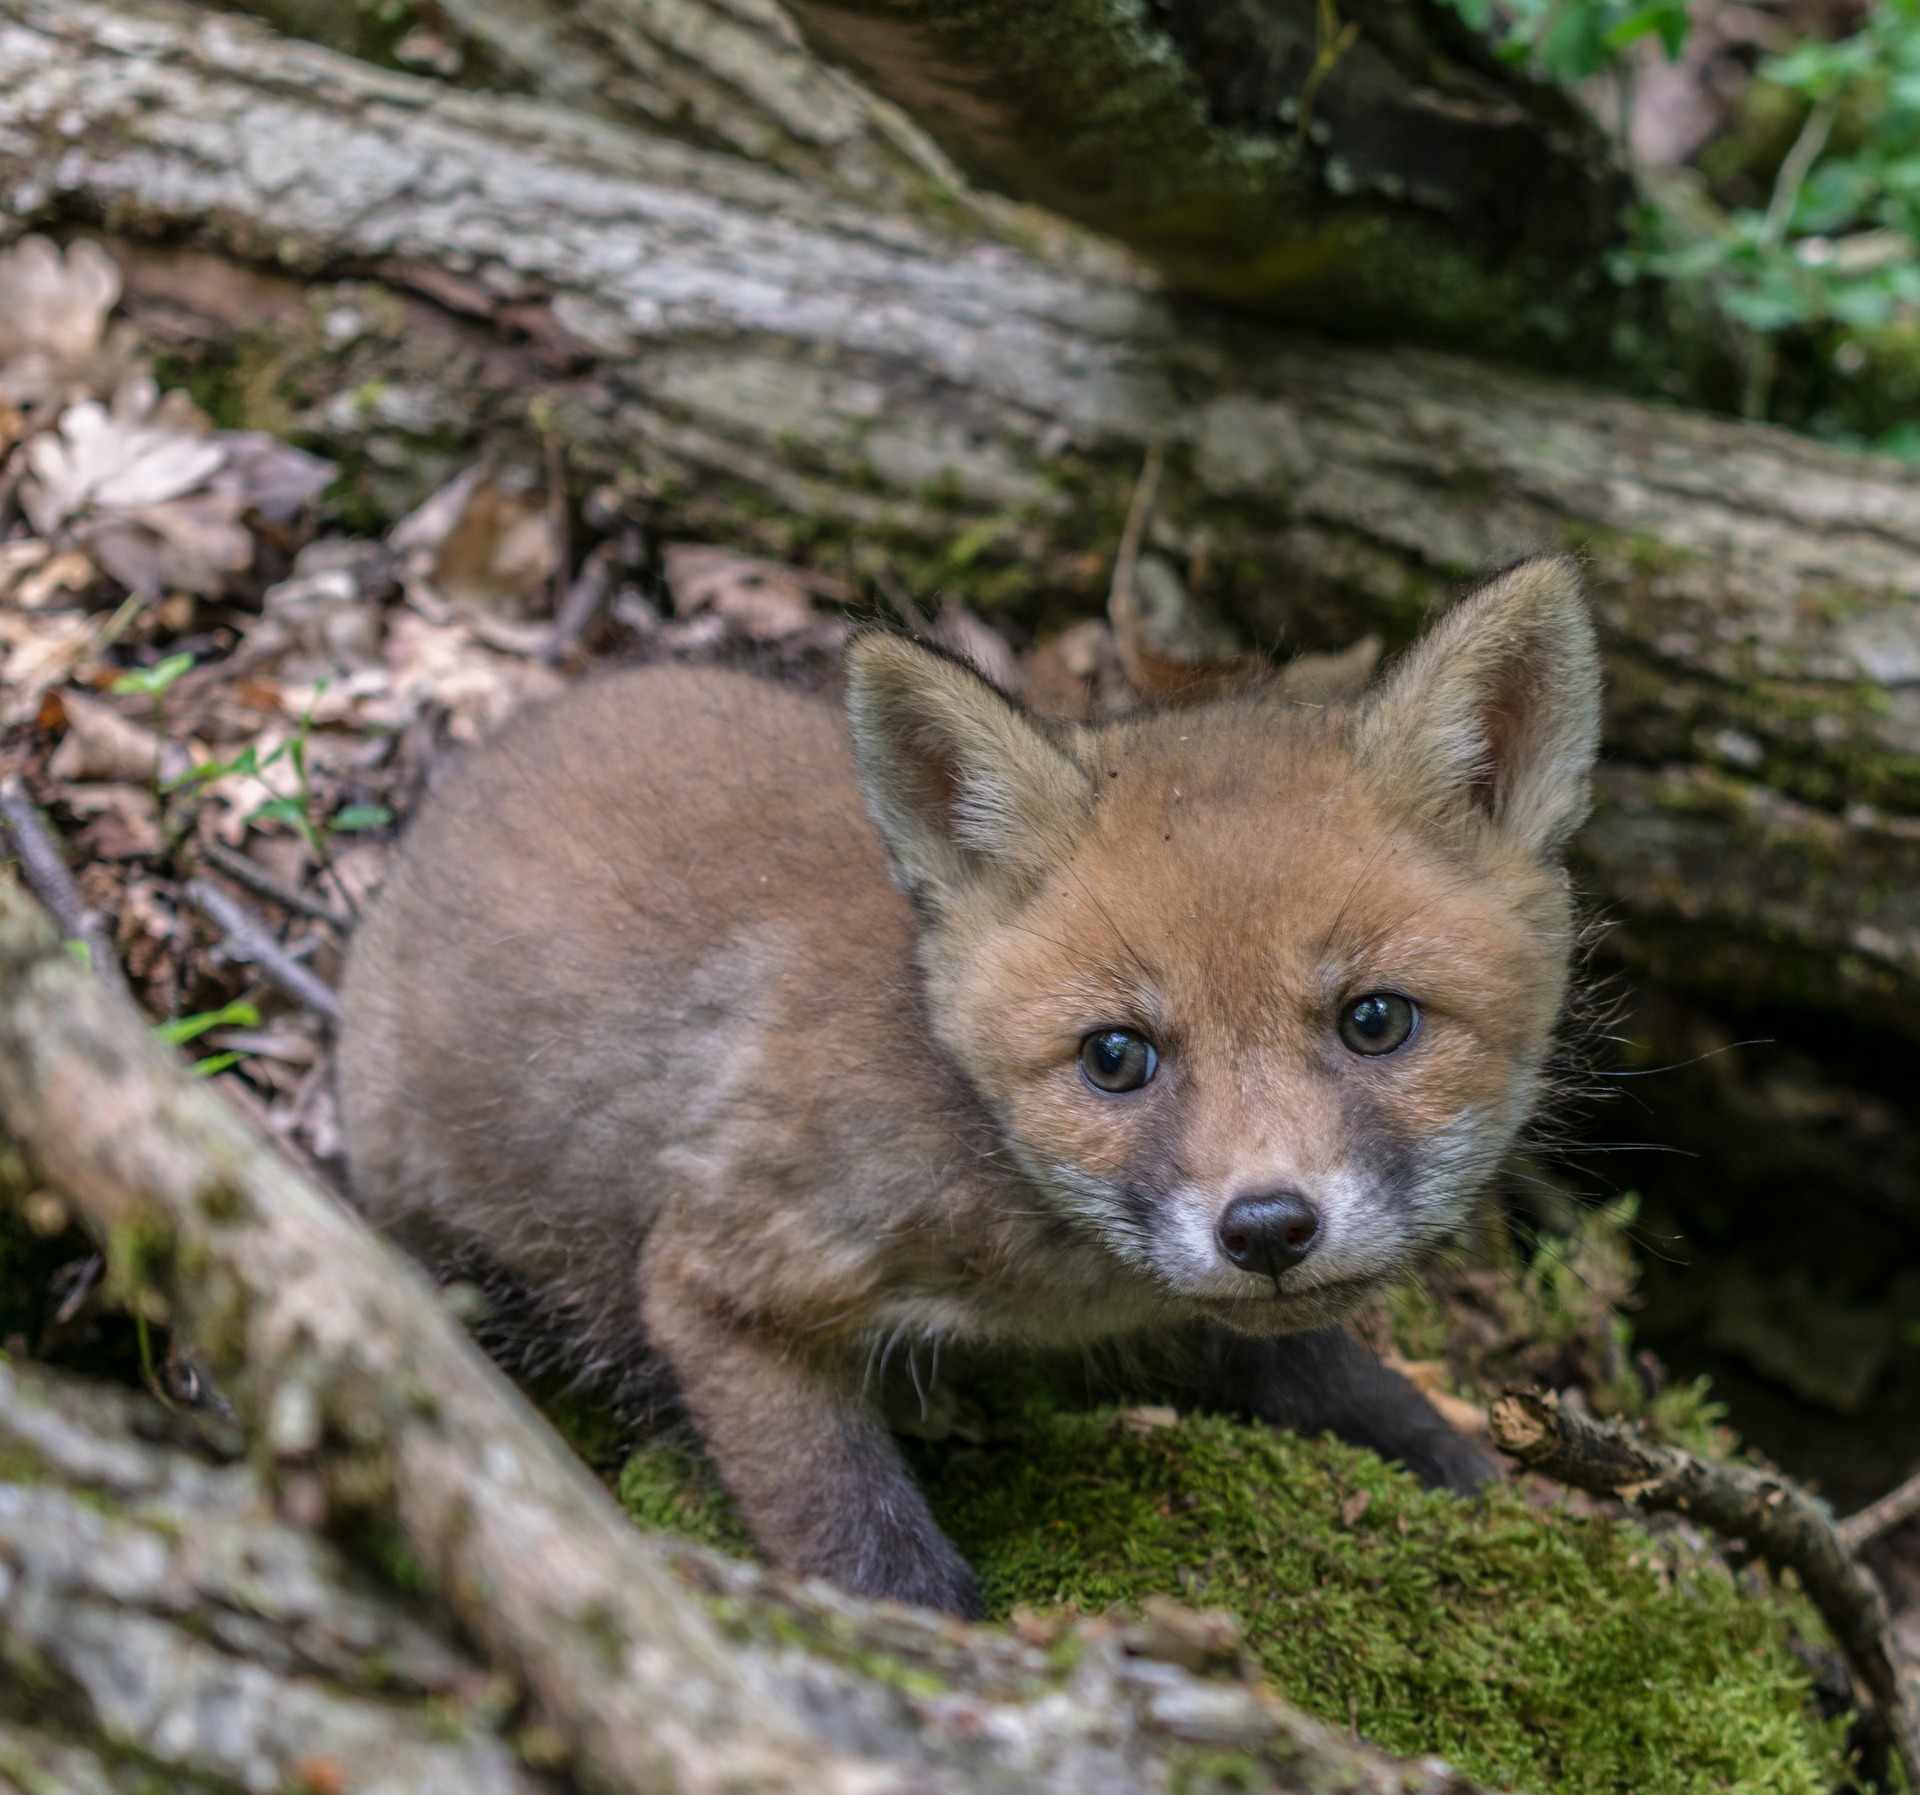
x,y
1116,1059
1378,1022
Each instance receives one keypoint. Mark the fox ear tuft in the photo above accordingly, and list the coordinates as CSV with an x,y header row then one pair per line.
x,y
1497,709
962,784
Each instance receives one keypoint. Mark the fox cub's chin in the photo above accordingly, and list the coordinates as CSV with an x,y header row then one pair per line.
x,y
748,1036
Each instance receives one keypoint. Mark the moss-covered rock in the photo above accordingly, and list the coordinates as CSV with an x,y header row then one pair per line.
x,y
1540,1649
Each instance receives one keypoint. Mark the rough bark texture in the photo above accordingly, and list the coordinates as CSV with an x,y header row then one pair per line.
x,y
1415,187
736,354
156,1613
656,1667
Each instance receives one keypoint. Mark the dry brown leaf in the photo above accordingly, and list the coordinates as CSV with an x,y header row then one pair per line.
x,y
57,577
483,542
142,450
42,652
762,601
102,744
441,664
122,821
54,340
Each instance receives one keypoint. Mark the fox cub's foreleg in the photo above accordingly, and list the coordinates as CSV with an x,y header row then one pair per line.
x,y
1327,1381
817,1476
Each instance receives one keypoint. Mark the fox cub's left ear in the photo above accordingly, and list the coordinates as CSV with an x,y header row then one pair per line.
x,y
965,788
1497,708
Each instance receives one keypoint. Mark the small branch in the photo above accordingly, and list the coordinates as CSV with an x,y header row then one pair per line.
x,y
1794,169
246,937
45,867
1139,511
580,604
1770,1513
1882,1516
247,871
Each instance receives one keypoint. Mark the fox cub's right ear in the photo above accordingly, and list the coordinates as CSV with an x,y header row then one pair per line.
x,y
1496,709
962,784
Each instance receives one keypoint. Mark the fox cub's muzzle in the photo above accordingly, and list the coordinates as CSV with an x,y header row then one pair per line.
x,y
1269,1232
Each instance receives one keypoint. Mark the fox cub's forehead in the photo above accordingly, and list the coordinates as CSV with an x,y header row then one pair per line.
x,y
1211,838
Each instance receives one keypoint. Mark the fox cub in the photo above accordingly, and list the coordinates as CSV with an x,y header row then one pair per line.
x,y
752,1038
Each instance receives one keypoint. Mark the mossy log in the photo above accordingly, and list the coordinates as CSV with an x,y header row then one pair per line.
x,y
737,353
1374,169
645,1664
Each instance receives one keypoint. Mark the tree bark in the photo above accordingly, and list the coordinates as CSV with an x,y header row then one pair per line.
x,y
1415,187
734,354
172,1609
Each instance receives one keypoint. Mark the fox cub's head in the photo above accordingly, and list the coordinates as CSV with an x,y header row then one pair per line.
x,y
1259,993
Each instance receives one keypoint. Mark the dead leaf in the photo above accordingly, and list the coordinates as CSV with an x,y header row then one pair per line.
x,y
763,601
102,744
141,451
122,822
441,664
1148,1418
1354,1507
71,572
483,542
42,652
53,322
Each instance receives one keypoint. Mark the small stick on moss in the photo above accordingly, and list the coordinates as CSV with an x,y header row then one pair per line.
x,y
45,866
249,872
1882,1516
246,937
1781,1521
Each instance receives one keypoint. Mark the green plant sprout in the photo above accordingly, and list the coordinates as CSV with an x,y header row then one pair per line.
x,y
298,810
154,681
184,1029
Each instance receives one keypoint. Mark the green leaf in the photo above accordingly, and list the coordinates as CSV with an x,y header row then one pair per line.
x,y
281,810
190,1028
153,680
362,816
79,949
214,1062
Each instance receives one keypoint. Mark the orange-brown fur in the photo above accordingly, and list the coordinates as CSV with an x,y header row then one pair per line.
x,y
643,1019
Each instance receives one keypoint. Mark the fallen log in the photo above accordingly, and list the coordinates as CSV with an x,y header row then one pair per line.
x,y
732,353
648,1664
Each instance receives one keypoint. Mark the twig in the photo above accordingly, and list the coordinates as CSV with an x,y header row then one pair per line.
x,y
1145,490
249,872
1794,169
1882,1516
49,880
1770,1513
575,611
247,937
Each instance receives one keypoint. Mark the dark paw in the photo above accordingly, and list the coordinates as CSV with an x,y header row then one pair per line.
x,y
919,1568
1451,1461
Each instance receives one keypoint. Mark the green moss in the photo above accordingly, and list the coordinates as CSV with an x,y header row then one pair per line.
x,y
1547,1650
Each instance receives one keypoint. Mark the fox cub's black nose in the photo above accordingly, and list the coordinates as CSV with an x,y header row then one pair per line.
x,y
1269,1233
